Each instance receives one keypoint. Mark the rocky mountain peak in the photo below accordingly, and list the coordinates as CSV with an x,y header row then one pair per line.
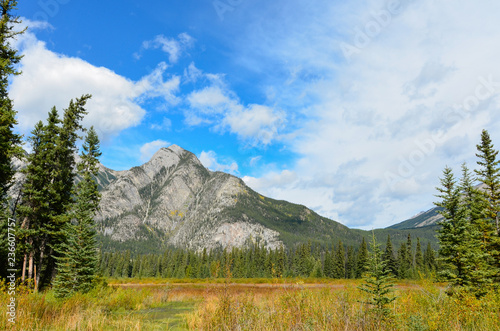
x,y
164,157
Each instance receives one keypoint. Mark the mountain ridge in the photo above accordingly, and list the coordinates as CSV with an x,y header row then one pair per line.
x,y
172,200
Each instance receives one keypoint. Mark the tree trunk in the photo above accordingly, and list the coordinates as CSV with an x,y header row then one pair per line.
x,y
30,265
24,225
23,274
40,264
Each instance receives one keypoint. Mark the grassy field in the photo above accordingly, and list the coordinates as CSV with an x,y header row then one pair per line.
x,y
160,304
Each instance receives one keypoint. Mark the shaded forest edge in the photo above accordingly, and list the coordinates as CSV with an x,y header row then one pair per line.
x,y
336,261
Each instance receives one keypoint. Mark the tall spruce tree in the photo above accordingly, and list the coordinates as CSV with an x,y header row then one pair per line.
x,y
339,264
429,259
350,265
77,261
9,140
39,196
409,256
33,202
362,259
419,257
63,180
389,258
463,260
328,264
483,267
404,268
48,190
489,176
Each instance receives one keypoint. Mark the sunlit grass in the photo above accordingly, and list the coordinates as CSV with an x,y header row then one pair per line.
x,y
419,306
96,310
229,305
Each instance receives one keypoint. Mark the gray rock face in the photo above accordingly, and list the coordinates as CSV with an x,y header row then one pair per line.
x,y
176,200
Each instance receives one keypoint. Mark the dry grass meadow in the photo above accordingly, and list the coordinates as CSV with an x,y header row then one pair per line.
x,y
243,305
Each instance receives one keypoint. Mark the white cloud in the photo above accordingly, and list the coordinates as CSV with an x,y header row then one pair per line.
x,y
380,112
254,160
154,85
173,47
285,178
211,161
147,150
192,74
210,100
256,124
50,79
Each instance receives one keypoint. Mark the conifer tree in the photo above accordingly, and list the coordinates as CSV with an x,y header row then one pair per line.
x,y
48,190
409,255
280,262
465,267
377,281
429,259
389,258
362,259
39,196
489,175
419,257
77,264
9,140
350,267
328,265
483,267
63,180
339,267
404,269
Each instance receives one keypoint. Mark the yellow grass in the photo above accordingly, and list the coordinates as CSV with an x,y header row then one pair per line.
x,y
282,305
419,306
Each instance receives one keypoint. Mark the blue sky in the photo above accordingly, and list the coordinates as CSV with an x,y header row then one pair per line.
x,y
350,108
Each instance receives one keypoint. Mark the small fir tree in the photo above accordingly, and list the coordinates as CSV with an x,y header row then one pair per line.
x,y
378,282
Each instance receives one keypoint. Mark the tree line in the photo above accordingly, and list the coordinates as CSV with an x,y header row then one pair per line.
x,y
305,260
55,234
